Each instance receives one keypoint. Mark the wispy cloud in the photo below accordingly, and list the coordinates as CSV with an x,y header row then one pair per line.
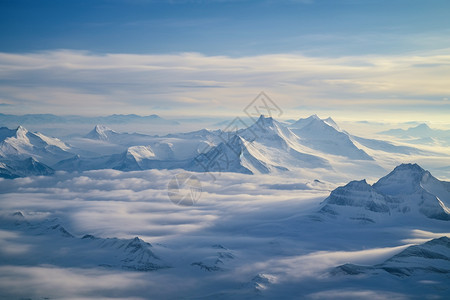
x,y
77,81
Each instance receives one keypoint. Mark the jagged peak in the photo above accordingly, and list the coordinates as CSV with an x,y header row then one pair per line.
x,y
406,171
406,176
359,182
137,243
102,128
413,167
357,185
303,122
21,131
100,132
265,121
443,240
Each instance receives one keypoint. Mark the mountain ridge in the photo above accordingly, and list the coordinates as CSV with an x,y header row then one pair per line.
x,y
405,190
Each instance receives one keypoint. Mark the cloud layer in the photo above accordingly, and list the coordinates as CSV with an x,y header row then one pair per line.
x,y
69,82
265,229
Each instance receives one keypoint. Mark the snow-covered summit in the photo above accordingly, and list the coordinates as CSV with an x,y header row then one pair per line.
x,y
357,194
237,155
407,190
404,179
324,135
19,144
302,122
270,132
101,132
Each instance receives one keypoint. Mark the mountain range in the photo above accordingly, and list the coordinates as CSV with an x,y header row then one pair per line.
x,y
266,146
421,134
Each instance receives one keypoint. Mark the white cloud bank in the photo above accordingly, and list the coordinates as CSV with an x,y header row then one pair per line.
x,y
70,82
266,230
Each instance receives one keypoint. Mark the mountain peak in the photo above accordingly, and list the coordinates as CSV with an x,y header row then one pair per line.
x,y
332,123
404,179
360,185
443,241
141,152
303,122
265,121
21,131
101,132
102,128
269,131
409,166
422,126
355,194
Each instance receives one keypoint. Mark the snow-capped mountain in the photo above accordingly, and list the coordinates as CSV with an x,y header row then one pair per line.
x,y
407,190
60,247
421,134
238,155
135,158
19,144
264,147
326,136
23,168
105,134
409,187
432,257
102,133
281,145
357,194
172,146
158,156
421,130
269,132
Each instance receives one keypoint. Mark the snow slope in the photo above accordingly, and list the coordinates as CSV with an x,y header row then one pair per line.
x,y
237,155
264,147
20,144
325,136
24,168
408,190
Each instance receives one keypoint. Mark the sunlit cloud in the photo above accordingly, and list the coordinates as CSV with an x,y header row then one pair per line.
x,y
70,81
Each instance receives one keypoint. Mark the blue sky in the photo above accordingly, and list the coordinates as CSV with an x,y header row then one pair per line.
x,y
225,27
44,42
